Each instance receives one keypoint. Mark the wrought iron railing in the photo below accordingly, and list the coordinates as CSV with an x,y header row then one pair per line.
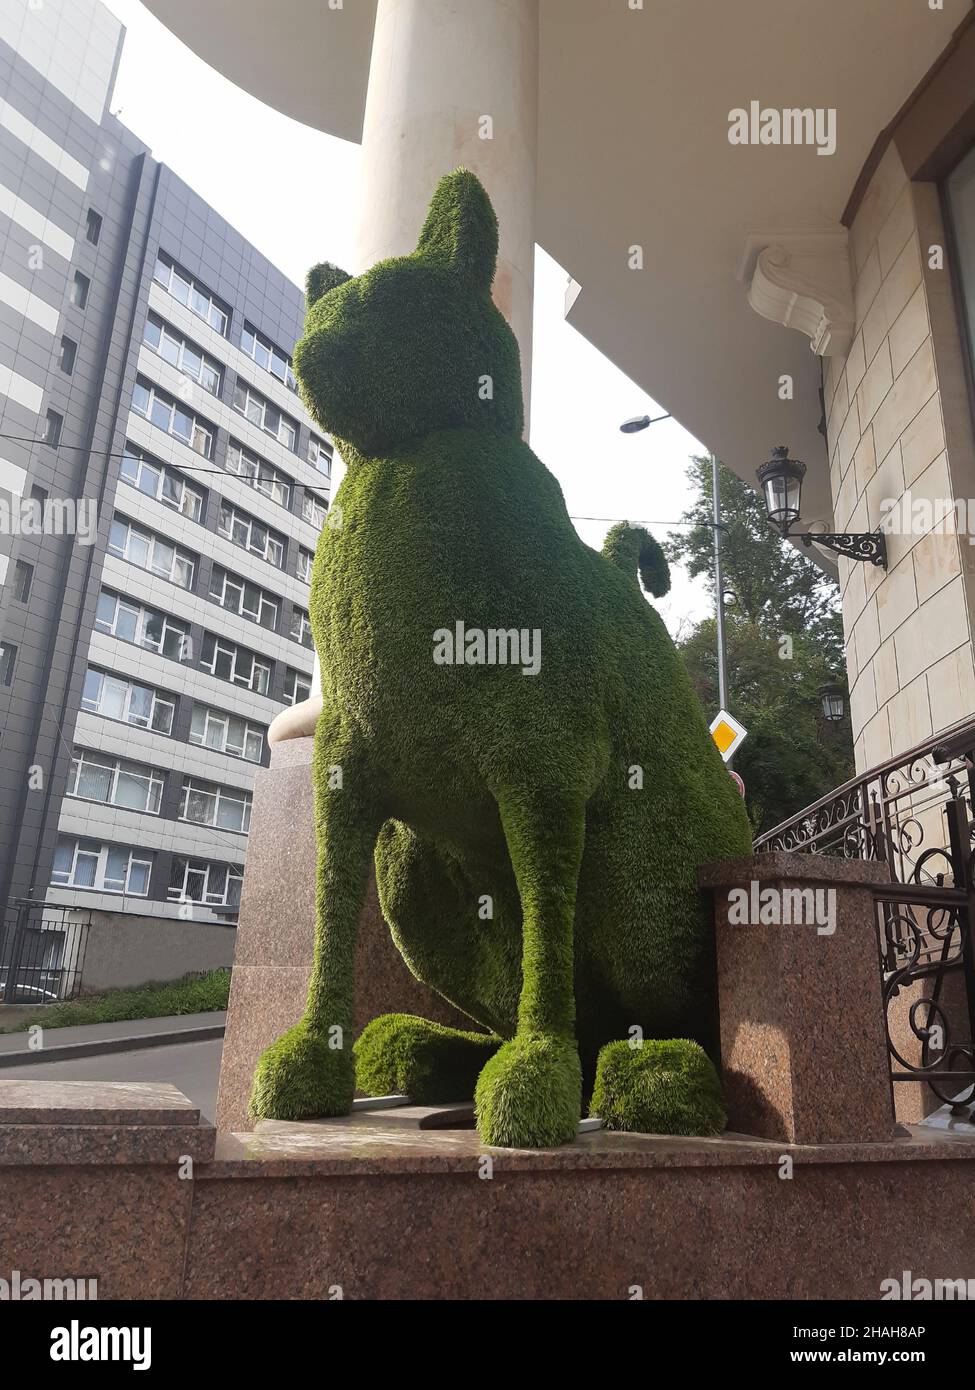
x,y
42,952
914,814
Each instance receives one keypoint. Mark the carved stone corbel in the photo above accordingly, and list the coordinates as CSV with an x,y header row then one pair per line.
x,y
802,280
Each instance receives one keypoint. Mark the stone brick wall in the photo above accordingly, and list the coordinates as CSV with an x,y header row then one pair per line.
x,y
899,426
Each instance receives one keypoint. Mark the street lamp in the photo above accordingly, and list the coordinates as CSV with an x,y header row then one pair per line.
x,y
781,480
640,422
834,704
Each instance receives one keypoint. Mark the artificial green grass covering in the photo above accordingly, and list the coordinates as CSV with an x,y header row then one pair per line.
x,y
663,1087
193,994
536,815
399,1054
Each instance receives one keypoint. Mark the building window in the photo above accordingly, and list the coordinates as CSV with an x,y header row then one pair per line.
x,y
296,687
301,627
320,455
266,355
93,226
52,429
227,733
114,782
251,534
197,298
314,509
228,662
243,598
306,560
199,881
265,416
90,864
114,697
130,622
185,356
152,553
23,579
173,417
258,474
222,808
164,484
69,350
80,286
8,660
38,495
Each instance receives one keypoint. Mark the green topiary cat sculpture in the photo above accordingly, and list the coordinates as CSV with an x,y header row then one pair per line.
x,y
507,729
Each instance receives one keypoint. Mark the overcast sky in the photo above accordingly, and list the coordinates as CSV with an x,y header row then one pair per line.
x,y
289,190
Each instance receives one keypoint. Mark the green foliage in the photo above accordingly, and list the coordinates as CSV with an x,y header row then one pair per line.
x,y
192,994
659,1088
399,1054
477,783
784,640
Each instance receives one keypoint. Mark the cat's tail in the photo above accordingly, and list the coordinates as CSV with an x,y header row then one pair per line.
x,y
633,550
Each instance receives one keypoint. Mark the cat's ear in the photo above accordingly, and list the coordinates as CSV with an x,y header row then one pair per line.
x,y
322,278
461,230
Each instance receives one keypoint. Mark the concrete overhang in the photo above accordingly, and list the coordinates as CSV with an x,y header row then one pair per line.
x,y
634,151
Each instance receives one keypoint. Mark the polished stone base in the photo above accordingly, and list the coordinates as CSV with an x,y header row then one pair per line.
x,y
370,1208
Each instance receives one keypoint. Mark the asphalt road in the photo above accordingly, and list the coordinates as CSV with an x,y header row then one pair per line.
x,y
192,1067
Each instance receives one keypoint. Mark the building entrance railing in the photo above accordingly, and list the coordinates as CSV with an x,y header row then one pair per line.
x,y
914,814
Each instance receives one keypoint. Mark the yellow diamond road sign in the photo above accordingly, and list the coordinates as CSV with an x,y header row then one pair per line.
x,y
727,733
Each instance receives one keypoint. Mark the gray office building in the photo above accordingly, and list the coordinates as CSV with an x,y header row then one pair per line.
x,y
162,490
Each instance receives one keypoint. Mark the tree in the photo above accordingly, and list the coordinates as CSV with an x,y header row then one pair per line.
x,y
784,639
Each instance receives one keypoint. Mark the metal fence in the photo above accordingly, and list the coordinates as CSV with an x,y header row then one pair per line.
x,y
42,952
915,815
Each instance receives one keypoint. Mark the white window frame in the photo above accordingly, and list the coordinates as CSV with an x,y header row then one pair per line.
x,y
234,582
159,702
314,509
95,849
306,561
217,719
178,893
260,341
189,501
274,545
292,680
181,345
303,625
180,556
202,434
220,796
117,766
258,474
143,616
255,408
236,653
320,454
166,271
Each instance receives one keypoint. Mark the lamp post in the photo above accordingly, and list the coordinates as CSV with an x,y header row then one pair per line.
x,y
781,480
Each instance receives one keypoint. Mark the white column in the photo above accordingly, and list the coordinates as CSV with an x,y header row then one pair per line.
x,y
439,69
445,75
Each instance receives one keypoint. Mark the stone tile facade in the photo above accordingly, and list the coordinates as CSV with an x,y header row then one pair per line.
x,y
899,429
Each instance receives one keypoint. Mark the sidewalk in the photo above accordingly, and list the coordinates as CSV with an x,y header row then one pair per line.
x,y
90,1039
